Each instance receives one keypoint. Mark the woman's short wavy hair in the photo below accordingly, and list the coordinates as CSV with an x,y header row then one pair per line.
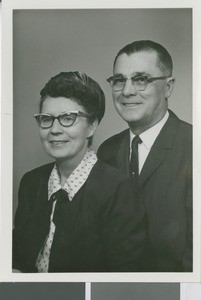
x,y
80,88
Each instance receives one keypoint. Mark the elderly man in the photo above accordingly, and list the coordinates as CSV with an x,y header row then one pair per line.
x,y
156,151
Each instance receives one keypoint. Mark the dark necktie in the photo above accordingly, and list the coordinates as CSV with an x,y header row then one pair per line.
x,y
43,259
62,198
134,164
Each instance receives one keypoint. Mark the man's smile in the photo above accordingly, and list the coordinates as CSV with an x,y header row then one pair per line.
x,y
131,104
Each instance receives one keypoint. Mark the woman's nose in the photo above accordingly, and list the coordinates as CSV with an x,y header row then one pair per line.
x,y
56,127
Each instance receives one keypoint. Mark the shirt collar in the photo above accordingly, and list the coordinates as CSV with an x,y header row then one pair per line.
x,y
76,179
148,137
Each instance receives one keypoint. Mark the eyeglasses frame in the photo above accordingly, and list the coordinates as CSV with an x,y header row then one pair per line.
x,y
75,113
148,78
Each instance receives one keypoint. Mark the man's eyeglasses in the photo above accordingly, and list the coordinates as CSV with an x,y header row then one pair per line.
x,y
66,119
140,82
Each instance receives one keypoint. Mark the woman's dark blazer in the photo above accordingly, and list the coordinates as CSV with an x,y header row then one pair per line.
x,y
101,230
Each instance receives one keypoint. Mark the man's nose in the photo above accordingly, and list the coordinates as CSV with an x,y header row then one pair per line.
x,y
129,88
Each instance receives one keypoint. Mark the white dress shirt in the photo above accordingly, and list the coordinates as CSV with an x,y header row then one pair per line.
x,y
148,138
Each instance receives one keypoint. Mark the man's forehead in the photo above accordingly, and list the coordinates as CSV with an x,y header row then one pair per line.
x,y
137,62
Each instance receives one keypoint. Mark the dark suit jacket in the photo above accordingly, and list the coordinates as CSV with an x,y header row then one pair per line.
x,y
100,230
166,192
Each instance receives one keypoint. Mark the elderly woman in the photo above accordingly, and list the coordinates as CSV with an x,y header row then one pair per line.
x,y
77,214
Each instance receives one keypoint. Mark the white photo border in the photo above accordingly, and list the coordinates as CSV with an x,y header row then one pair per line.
x,y
6,274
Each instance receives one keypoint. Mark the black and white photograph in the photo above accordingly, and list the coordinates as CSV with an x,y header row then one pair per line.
x,y
100,118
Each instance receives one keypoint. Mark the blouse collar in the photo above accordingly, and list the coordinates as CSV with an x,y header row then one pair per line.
x,y
76,179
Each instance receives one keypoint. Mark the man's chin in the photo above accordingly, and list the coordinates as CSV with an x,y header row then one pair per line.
x,y
131,119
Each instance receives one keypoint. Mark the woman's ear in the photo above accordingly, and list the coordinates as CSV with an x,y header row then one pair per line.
x,y
170,86
92,128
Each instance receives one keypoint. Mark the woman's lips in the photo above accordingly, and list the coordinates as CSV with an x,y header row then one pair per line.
x,y
58,143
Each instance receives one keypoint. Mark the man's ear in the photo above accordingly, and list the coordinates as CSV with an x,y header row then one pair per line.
x,y
170,85
92,128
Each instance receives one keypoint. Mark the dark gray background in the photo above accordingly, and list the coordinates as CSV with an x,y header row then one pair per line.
x,y
46,42
135,291
42,291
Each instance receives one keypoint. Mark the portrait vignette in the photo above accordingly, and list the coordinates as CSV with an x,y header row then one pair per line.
x,y
22,114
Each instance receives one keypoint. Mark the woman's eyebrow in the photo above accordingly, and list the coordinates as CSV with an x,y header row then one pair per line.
x,y
118,75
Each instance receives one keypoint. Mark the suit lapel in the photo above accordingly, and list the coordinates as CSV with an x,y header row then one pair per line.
x,y
122,156
158,152
39,219
42,184
153,161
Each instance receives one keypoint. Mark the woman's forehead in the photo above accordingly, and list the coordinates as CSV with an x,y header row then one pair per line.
x,y
59,105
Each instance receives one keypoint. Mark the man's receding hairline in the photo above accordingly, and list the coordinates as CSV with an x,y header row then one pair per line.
x,y
141,51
